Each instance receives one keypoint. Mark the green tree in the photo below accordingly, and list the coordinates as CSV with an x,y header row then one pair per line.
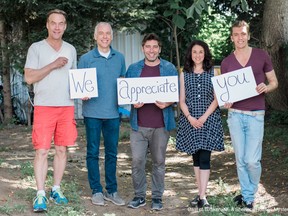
x,y
214,31
22,22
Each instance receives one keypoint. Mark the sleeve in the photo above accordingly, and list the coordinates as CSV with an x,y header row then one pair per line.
x,y
268,66
223,67
123,69
74,65
128,73
32,59
81,63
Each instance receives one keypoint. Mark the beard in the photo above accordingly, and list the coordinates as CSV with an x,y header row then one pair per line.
x,y
152,60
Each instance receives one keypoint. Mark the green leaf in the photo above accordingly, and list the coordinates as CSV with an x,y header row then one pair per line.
x,y
190,12
178,21
203,4
244,5
168,13
174,6
235,3
198,10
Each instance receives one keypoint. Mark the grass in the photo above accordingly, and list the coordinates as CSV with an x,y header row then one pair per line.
x,y
10,208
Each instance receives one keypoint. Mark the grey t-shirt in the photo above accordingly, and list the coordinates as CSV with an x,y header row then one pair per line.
x,y
52,90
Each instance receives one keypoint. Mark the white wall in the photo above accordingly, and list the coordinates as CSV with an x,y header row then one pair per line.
x,y
129,45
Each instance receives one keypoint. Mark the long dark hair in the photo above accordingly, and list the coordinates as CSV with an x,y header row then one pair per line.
x,y
207,62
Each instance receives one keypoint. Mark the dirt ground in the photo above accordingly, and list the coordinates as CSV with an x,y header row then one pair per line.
x,y
15,148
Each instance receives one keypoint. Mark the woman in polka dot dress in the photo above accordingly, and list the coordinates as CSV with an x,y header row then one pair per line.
x,y
200,127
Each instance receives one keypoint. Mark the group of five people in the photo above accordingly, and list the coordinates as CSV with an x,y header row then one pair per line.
x,y
199,128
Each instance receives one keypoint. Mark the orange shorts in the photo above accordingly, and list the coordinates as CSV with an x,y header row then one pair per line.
x,y
53,122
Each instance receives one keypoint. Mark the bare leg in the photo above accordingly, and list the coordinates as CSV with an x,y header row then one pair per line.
x,y
41,167
204,178
59,164
197,176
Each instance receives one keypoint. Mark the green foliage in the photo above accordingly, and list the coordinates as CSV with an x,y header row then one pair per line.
x,y
278,117
10,208
248,10
75,207
214,31
198,6
25,21
27,169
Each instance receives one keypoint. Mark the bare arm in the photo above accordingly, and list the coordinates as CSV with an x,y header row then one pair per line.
x,y
272,83
163,105
182,97
211,108
193,121
35,75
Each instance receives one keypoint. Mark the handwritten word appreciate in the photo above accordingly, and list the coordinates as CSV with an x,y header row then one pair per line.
x,y
147,89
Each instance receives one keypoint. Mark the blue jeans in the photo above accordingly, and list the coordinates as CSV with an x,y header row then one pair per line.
x,y
246,133
110,131
154,139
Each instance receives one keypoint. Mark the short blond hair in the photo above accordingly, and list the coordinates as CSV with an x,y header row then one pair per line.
x,y
240,23
56,11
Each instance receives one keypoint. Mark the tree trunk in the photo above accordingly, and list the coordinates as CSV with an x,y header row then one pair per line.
x,y
275,41
6,74
176,48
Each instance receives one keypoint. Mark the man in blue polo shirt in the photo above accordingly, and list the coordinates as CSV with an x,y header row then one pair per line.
x,y
101,114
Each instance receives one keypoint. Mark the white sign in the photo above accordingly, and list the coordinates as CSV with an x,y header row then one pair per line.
x,y
147,89
234,86
83,83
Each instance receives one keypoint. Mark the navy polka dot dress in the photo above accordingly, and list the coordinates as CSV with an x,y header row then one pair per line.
x,y
199,95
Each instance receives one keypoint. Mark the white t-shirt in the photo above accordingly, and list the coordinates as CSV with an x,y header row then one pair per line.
x,y
52,90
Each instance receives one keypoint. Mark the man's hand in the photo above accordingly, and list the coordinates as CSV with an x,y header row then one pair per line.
x,y
85,98
138,105
163,105
228,105
60,62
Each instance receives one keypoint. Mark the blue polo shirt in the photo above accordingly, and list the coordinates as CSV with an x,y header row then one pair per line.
x,y
105,106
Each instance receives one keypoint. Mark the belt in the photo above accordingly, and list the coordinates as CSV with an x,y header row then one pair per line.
x,y
251,113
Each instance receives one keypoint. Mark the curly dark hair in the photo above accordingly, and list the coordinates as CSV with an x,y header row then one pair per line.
x,y
151,36
207,62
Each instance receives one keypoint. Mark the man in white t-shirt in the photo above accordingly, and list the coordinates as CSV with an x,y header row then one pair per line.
x,y
47,66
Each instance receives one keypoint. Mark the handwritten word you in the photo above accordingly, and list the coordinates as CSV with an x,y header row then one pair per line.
x,y
229,82
133,93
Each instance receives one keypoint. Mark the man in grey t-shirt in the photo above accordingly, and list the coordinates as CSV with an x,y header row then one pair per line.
x,y
47,66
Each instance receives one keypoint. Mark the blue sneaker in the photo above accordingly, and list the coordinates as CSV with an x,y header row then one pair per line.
x,y
39,203
58,197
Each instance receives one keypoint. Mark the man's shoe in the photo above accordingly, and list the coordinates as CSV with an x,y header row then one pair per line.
x,y
157,204
40,203
137,202
195,201
98,199
238,200
248,205
114,198
58,197
203,203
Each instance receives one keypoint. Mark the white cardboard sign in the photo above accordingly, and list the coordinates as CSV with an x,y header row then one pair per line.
x,y
147,89
234,86
83,83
